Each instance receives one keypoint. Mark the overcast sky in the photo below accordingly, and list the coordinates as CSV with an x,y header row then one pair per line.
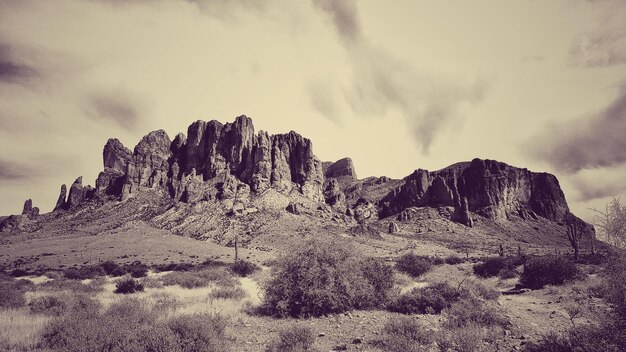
x,y
394,85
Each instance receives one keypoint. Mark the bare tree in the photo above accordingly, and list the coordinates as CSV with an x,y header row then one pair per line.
x,y
612,223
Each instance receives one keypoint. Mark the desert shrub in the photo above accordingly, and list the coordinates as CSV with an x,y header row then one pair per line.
x,y
199,332
119,271
319,278
454,260
244,268
173,267
405,334
413,264
430,299
11,295
125,326
18,272
614,289
128,286
436,260
199,278
235,292
472,311
490,267
109,266
48,305
138,271
477,289
587,338
381,278
293,339
86,272
548,270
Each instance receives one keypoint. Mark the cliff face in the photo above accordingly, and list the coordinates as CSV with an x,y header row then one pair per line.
x,y
233,151
231,162
486,187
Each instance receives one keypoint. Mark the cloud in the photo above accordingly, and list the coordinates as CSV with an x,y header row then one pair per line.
x,y
606,44
120,105
381,82
344,16
11,170
593,184
323,97
590,142
13,68
220,9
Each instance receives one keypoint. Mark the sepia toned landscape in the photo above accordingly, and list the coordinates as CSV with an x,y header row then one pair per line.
x,y
126,228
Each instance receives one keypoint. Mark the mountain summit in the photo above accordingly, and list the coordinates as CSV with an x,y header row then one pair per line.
x,y
236,171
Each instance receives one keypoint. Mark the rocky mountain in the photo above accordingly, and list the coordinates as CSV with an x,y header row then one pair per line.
x,y
233,165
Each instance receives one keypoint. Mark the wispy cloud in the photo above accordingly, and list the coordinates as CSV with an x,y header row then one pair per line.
x,y
13,67
381,82
606,44
591,142
119,105
11,170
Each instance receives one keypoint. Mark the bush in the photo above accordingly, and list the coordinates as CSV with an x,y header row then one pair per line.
x,y
405,334
86,272
11,295
63,284
426,300
380,276
413,264
199,332
173,267
320,278
471,311
138,271
244,268
454,260
19,272
128,326
109,267
608,338
548,270
490,267
615,288
128,286
293,339
48,305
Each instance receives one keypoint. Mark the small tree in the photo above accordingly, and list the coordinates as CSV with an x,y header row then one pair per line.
x,y
612,223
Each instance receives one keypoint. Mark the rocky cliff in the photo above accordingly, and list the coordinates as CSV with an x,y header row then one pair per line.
x,y
488,188
213,161
231,163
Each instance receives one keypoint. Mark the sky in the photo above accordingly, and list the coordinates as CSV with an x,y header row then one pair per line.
x,y
396,86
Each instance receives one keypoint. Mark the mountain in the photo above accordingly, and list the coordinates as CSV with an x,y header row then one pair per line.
x,y
195,184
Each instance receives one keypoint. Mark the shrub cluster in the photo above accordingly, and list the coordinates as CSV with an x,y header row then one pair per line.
x,y
128,326
548,270
454,260
85,272
405,334
244,268
504,267
319,278
128,286
12,293
48,305
293,339
414,264
431,299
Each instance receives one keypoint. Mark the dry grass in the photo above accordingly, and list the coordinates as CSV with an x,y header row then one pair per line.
x,y
20,330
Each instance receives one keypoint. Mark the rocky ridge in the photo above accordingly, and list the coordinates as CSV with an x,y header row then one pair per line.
x,y
233,165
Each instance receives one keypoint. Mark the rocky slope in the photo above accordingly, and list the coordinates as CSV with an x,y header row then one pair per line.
x,y
244,171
